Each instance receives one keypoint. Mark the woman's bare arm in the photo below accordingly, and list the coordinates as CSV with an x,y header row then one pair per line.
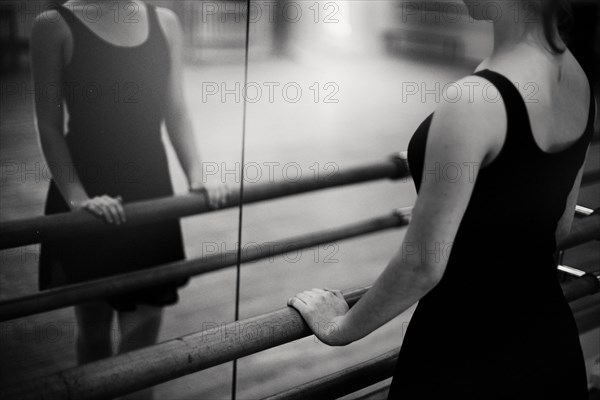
x,y
463,135
178,122
47,59
48,40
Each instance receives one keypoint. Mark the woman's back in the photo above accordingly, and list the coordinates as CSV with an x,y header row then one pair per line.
x,y
557,97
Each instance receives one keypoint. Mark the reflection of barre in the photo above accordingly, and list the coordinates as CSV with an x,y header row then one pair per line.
x,y
80,222
138,369
123,283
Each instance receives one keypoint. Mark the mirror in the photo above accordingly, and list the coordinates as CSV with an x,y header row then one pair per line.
x,y
135,92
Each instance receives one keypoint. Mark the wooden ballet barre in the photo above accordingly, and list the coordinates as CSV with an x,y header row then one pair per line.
x,y
62,226
150,366
138,369
123,283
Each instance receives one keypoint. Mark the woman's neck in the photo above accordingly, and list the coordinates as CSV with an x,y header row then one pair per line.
x,y
511,31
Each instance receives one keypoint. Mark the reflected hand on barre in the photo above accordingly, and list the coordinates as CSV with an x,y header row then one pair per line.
x,y
217,194
108,208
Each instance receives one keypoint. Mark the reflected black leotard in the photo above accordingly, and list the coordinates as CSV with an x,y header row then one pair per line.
x,y
115,97
483,332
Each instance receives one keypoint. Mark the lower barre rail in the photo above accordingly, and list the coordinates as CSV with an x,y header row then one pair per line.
x,y
139,369
345,381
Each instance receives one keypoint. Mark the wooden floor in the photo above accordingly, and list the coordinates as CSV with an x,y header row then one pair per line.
x,y
369,122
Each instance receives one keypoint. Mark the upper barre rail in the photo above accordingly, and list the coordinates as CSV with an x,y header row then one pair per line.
x,y
57,227
149,366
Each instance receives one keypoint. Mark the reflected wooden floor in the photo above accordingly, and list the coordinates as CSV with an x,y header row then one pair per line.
x,y
369,121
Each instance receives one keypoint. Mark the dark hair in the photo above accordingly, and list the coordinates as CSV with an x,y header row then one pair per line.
x,y
556,12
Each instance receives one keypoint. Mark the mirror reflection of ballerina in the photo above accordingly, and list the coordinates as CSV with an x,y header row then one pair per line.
x,y
119,80
477,331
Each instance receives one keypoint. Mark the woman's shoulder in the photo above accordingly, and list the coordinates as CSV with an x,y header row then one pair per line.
x,y
472,100
471,116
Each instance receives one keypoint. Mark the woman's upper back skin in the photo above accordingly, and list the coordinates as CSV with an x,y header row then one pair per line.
x,y
555,90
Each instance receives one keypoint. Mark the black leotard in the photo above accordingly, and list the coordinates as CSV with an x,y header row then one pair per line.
x,y
115,98
497,324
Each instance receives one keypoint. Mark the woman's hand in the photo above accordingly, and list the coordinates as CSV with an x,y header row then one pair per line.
x,y
217,194
323,310
108,208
